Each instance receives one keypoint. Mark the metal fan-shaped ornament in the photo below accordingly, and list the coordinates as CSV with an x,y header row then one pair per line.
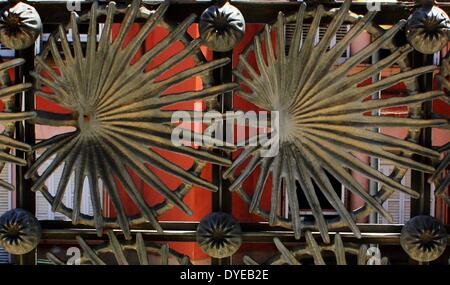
x,y
317,251
117,110
124,253
323,119
8,117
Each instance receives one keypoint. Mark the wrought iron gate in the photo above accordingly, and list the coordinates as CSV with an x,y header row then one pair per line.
x,y
111,92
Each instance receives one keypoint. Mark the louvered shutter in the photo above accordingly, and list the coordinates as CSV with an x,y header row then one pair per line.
x,y
43,208
52,184
406,200
289,31
399,204
340,34
392,205
86,205
5,205
84,37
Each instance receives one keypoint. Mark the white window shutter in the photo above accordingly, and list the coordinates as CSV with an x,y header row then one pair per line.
x,y
43,208
5,205
398,204
52,184
340,34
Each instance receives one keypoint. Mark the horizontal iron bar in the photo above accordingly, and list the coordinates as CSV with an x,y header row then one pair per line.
x,y
251,232
53,12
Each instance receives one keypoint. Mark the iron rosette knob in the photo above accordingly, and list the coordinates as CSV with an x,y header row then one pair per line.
x,y
428,28
222,26
20,231
20,26
219,235
424,238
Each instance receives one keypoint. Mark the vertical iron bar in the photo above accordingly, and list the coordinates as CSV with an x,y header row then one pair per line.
x,y
25,198
221,200
375,162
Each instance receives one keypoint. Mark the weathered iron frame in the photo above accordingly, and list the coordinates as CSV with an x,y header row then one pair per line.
x,y
55,12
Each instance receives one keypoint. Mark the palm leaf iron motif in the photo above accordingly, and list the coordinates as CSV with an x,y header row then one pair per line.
x,y
124,253
323,121
318,252
9,116
118,112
